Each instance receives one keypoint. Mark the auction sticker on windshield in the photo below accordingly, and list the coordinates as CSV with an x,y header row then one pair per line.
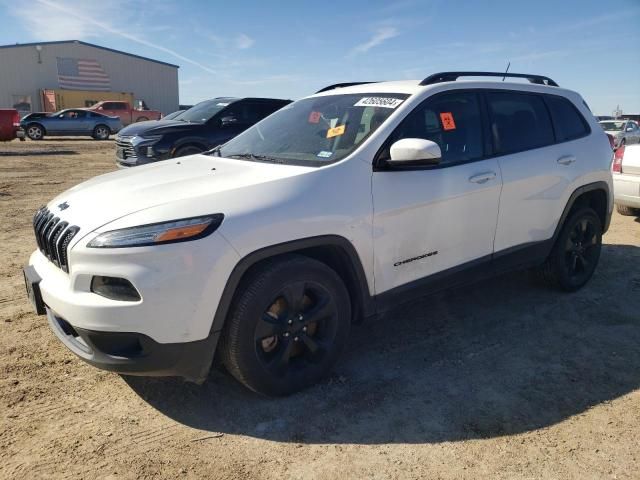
x,y
384,102
334,132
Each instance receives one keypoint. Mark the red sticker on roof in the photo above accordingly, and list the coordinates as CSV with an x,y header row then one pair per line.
x,y
314,117
447,121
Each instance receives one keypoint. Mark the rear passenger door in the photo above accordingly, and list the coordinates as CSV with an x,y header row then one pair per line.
x,y
539,160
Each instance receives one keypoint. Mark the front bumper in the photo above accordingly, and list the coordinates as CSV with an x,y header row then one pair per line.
x,y
168,332
130,353
626,190
138,160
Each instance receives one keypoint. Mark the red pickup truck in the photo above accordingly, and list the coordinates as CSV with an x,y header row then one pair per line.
x,y
125,112
10,125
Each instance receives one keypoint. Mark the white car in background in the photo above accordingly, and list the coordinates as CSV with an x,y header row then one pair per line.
x,y
624,132
626,180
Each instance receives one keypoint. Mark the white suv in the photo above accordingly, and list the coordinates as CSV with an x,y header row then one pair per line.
x,y
329,211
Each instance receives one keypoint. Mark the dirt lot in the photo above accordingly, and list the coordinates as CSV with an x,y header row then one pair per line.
x,y
504,379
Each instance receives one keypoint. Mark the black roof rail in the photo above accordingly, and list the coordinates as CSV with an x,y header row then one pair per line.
x,y
341,85
453,76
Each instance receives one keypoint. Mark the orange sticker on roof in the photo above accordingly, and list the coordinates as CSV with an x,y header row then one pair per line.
x,y
447,121
335,131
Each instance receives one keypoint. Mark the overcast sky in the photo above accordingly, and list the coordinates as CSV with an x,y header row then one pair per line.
x,y
290,49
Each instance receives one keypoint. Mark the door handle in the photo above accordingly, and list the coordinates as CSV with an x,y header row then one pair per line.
x,y
566,160
482,177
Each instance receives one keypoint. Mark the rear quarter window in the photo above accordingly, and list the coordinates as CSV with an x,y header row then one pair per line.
x,y
568,122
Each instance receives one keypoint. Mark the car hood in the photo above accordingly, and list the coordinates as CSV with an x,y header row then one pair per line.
x,y
111,196
156,127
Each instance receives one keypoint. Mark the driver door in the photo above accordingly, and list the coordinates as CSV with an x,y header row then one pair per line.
x,y
433,219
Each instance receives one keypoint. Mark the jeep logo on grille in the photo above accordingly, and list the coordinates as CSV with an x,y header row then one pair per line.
x,y
63,206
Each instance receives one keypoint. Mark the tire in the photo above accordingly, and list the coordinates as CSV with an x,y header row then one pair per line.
x,y
287,325
187,150
35,131
101,132
627,211
575,254
142,119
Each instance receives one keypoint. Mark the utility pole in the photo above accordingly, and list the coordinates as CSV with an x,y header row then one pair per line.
x,y
617,112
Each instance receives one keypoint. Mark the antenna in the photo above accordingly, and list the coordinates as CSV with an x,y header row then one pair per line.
x,y
506,71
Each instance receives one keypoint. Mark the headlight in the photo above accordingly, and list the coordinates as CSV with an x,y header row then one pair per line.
x,y
135,141
159,233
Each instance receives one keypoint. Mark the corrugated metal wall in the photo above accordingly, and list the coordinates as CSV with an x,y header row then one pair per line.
x,y
22,74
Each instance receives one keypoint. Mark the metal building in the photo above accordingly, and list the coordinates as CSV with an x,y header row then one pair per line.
x,y
72,71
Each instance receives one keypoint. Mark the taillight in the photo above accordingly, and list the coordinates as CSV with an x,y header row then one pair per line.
x,y
612,141
616,166
16,119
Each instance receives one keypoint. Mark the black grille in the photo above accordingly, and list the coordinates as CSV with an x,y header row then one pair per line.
x,y
53,236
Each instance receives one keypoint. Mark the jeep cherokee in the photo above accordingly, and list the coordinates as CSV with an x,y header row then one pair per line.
x,y
265,250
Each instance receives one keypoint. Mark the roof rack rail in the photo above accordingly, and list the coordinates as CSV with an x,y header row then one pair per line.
x,y
453,76
341,85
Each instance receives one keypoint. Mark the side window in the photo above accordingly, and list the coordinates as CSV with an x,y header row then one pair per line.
x,y
237,110
519,121
254,112
568,123
108,106
452,120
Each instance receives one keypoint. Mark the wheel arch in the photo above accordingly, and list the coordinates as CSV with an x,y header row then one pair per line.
x,y
188,142
594,195
328,249
335,251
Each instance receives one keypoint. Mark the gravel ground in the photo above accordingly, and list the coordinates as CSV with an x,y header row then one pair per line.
x,y
504,379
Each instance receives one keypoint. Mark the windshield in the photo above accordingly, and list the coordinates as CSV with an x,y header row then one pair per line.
x,y
612,126
314,131
204,111
174,115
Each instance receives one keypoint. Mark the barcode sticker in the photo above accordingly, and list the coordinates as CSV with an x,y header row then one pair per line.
x,y
384,102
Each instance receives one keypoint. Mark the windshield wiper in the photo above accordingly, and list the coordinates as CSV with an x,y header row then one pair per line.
x,y
256,158
213,151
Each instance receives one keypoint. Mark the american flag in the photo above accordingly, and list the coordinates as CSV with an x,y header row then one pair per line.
x,y
82,74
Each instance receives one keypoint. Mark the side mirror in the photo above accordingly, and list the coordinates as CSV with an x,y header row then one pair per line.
x,y
629,129
227,121
415,151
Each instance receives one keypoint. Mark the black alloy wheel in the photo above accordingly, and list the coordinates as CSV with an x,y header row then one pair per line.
x,y
296,329
576,252
287,326
582,250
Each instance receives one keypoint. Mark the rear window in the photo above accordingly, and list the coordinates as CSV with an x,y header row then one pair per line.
x,y
568,123
519,122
